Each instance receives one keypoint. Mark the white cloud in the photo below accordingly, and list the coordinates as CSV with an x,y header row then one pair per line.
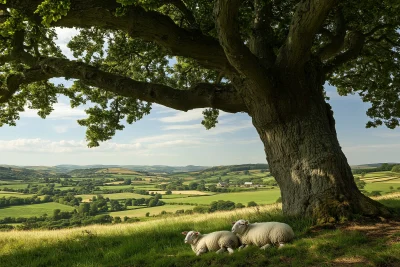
x,y
61,128
371,147
224,126
61,111
191,115
64,36
388,135
158,109
183,127
39,145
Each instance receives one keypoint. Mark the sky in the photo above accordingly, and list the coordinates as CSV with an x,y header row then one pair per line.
x,y
170,137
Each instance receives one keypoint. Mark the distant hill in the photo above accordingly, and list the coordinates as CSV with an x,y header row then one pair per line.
x,y
18,173
142,168
371,165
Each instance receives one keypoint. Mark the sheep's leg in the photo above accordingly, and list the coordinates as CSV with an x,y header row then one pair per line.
x,y
201,251
265,246
243,247
221,250
230,250
281,245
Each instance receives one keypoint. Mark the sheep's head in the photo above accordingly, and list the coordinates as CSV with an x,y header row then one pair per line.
x,y
191,236
240,226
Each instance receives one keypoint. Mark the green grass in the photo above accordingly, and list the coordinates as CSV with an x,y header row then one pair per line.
x,y
115,187
15,186
32,210
141,212
174,196
160,243
114,196
382,187
14,194
259,196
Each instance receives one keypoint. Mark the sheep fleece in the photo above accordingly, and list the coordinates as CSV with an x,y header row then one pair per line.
x,y
216,240
260,234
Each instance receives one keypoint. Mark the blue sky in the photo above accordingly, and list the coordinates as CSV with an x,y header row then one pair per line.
x,y
169,137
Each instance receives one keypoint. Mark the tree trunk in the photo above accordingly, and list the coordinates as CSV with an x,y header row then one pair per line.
x,y
297,128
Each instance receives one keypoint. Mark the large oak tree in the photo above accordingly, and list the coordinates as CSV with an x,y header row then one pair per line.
x,y
268,58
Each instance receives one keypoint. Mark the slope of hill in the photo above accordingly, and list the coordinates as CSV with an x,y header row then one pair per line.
x,y
160,243
18,173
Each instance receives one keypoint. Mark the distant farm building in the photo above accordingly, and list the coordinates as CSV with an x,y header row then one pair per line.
x,y
222,184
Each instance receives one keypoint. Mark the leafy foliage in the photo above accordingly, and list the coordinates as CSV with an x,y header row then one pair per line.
x,y
366,36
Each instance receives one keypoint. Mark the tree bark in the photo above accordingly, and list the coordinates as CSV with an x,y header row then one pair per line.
x,y
297,128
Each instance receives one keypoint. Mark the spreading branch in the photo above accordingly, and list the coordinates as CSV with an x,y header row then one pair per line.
x,y
262,37
185,11
200,96
137,22
337,40
306,22
238,54
356,42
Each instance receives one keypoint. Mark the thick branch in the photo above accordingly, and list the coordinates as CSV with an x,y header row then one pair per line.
x,y
377,28
306,22
15,80
185,11
203,95
356,42
262,38
147,25
337,40
239,55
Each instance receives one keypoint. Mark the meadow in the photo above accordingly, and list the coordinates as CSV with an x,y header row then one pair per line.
x,y
141,211
33,210
259,196
160,243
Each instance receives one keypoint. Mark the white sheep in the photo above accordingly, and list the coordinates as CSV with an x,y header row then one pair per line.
x,y
219,241
262,234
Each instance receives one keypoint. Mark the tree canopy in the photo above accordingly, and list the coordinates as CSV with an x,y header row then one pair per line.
x,y
187,54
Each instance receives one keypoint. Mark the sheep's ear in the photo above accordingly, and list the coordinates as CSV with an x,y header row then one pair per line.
x,y
184,233
246,222
233,223
197,233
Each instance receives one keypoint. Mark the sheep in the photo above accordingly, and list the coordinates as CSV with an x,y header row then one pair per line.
x,y
262,234
219,241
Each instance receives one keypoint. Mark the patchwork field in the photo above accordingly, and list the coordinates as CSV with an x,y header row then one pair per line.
x,y
259,196
382,187
186,192
153,211
14,194
33,210
86,198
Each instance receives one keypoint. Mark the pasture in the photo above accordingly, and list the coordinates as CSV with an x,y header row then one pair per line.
x,y
141,212
33,210
86,197
14,194
259,196
160,243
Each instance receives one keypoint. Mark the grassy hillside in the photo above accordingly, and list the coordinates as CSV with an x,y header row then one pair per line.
x,y
160,243
32,210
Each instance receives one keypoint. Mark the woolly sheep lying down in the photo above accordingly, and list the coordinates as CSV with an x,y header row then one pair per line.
x,y
262,234
217,241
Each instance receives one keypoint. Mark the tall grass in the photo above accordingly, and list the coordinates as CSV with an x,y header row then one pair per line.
x,y
160,243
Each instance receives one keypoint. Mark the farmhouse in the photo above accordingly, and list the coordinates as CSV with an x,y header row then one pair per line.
x,y
222,184
248,184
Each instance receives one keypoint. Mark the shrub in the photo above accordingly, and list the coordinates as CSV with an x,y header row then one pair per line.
x,y
252,204
239,205
201,209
